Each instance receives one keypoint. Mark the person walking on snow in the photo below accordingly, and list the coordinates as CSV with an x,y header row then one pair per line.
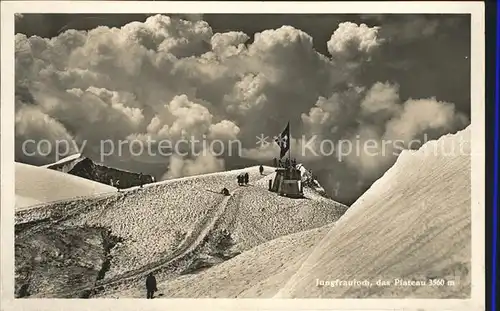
x,y
151,285
261,169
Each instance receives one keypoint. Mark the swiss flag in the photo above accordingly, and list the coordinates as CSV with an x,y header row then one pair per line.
x,y
283,140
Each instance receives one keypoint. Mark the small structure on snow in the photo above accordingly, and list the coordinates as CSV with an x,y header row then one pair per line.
x,y
287,182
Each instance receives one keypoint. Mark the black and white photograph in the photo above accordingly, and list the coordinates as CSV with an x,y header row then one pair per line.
x,y
323,155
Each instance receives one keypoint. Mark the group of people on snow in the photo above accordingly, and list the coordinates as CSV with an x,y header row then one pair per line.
x,y
243,179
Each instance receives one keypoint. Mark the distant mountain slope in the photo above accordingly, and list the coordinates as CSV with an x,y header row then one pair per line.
x,y
413,224
36,185
174,227
84,167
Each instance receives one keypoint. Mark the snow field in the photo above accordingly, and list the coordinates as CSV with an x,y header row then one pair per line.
x,y
36,185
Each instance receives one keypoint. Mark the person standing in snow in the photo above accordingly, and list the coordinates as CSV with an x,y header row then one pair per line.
x,y
151,285
261,169
246,177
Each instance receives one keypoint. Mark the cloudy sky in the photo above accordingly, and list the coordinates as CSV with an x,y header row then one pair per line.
x,y
233,77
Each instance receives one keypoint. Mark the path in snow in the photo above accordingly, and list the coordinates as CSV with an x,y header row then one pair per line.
x,y
256,273
173,227
189,244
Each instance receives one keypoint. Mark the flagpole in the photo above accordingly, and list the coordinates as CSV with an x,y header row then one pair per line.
x,y
290,142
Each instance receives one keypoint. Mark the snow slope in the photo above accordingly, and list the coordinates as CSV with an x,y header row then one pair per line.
x,y
414,223
36,185
173,228
257,272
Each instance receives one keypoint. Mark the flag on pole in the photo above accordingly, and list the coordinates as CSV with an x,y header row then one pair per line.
x,y
283,140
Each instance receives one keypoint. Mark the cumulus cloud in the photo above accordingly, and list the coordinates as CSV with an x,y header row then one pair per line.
x,y
370,126
181,118
203,164
179,37
419,116
18,16
381,101
351,40
229,44
247,95
335,113
366,152
224,130
168,78
32,127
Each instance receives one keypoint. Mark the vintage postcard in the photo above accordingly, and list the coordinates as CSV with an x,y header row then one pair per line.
x,y
187,155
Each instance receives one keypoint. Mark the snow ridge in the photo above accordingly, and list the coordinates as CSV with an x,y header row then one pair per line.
x,y
37,185
413,223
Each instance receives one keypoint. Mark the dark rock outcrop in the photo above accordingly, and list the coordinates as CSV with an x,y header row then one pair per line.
x,y
86,168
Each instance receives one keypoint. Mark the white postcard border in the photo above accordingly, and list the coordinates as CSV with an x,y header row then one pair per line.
x,y
476,9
